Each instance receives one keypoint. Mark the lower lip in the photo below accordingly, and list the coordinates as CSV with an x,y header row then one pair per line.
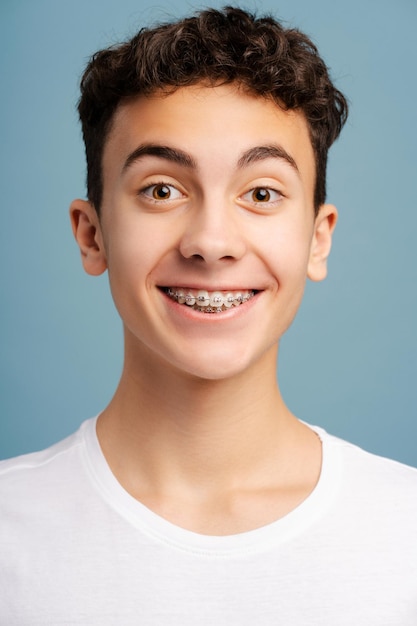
x,y
189,313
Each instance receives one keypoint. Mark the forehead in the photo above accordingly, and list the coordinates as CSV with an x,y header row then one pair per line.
x,y
215,125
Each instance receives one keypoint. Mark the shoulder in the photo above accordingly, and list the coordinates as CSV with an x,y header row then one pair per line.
x,y
372,482
34,471
377,467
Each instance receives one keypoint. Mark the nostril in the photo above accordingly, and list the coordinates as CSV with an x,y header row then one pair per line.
x,y
211,245
200,258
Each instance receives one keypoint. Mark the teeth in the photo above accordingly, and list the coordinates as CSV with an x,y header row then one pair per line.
x,y
189,299
203,298
238,299
216,299
208,302
228,300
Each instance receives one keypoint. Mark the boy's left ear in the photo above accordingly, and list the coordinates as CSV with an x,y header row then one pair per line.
x,y
321,243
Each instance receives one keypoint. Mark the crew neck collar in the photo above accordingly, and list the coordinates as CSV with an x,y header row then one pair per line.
x,y
160,529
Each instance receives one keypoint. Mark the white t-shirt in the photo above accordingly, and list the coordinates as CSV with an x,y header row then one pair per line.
x,y
76,548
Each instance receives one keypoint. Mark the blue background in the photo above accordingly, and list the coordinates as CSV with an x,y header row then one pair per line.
x,y
348,363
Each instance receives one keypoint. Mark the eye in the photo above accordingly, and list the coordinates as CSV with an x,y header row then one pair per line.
x,y
161,191
262,195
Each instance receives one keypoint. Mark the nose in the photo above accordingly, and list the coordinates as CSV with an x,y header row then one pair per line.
x,y
213,233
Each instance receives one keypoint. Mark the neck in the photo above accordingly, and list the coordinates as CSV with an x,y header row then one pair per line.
x,y
164,423
213,456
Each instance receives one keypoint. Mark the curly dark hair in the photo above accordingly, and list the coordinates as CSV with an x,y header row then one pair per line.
x,y
215,47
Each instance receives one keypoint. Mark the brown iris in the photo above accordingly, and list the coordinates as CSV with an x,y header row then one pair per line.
x,y
260,194
161,192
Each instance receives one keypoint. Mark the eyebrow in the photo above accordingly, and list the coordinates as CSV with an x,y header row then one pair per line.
x,y
261,153
175,155
163,152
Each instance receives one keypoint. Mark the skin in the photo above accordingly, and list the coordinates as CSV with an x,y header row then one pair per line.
x,y
197,429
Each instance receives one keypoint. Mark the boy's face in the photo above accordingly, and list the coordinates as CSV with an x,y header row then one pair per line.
x,y
206,190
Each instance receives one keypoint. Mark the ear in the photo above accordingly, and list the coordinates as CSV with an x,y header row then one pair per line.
x,y
87,232
321,243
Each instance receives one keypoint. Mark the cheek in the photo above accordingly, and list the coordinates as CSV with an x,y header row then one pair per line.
x,y
128,261
134,246
286,251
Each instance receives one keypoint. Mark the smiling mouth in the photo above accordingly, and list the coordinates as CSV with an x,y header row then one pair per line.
x,y
208,301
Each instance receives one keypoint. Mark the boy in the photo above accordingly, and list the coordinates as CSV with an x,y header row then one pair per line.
x,y
196,497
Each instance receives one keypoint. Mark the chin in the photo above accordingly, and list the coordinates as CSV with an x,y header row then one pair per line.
x,y
217,367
